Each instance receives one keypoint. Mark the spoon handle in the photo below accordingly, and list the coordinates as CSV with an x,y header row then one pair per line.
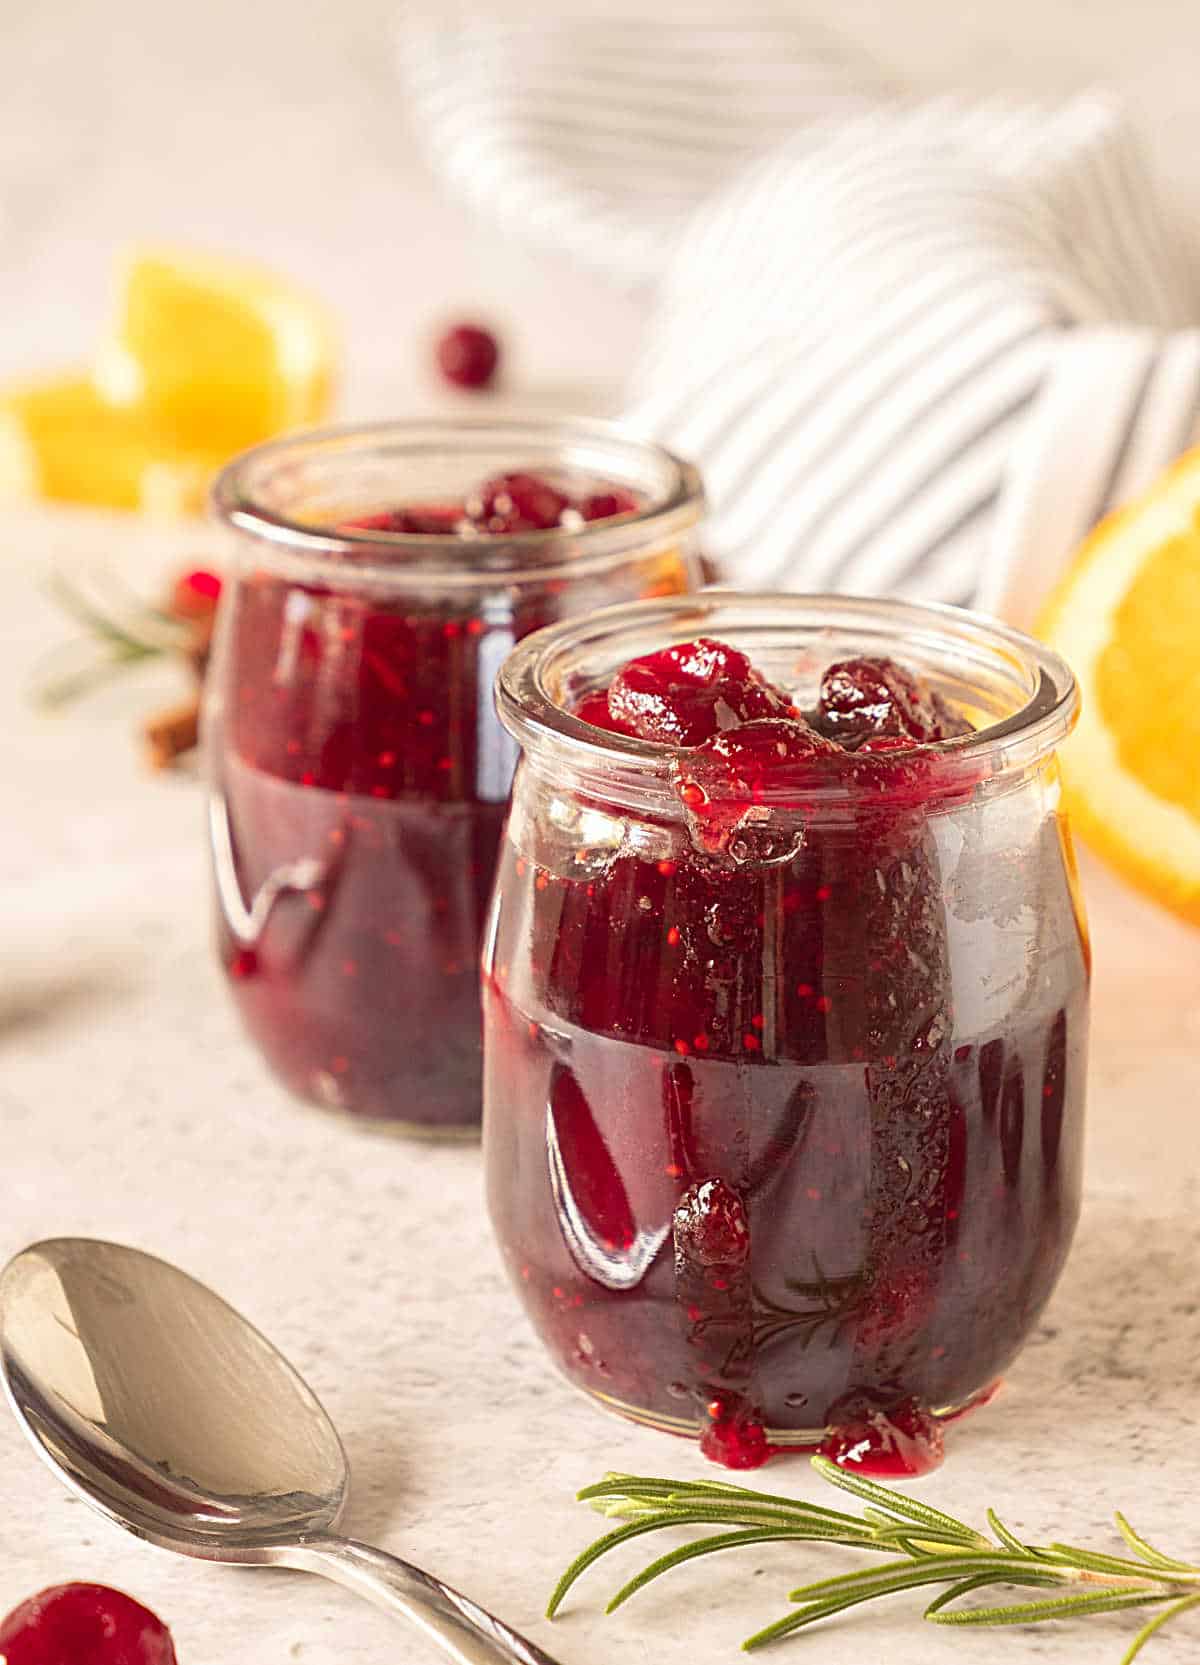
x,y
463,1631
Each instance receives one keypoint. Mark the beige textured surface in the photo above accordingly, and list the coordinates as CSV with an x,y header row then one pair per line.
x,y
131,1107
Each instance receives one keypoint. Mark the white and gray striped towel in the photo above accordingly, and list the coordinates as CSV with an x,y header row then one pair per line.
x,y
916,348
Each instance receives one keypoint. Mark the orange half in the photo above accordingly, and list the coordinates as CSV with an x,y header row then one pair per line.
x,y
1126,617
60,440
217,354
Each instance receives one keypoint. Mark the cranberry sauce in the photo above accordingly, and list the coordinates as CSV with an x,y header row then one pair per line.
x,y
364,778
782,1126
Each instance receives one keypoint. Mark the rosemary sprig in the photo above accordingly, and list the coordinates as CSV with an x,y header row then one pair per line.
x,y
120,630
118,636
923,1546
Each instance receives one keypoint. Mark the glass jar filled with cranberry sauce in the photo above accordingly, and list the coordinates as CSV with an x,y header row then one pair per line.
x,y
785,992
359,775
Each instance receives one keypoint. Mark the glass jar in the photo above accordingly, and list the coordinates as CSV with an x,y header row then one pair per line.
x,y
359,777
783,1141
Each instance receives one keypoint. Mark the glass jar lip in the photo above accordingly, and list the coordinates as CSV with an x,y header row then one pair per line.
x,y
237,498
639,772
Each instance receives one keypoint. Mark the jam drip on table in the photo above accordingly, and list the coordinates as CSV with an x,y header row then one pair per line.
x,y
766,1107
361,747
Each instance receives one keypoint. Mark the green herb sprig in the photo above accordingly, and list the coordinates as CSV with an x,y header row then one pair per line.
x,y
120,633
923,1546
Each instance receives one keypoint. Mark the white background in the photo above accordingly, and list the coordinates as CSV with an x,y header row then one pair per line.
x,y
277,127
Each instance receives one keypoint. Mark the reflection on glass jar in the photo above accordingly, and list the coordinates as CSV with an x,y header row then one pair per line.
x,y
359,775
782,1130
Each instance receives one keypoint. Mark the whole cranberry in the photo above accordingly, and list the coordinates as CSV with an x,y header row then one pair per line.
x,y
604,505
870,698
439,520
518,503
84,1624
723,778
468,355
685,694
745,760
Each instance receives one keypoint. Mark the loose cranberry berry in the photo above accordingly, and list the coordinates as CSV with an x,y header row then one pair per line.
x,y
684,695
519,503
604,505
710,1225
862,697
84,1624
468,355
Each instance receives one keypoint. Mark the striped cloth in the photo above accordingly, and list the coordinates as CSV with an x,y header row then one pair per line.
x,y
916,348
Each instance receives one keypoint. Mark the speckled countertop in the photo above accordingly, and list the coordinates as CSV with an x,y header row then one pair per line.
x,y
131,1107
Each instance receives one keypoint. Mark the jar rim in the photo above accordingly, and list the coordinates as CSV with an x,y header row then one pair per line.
x,y
638,773
239,497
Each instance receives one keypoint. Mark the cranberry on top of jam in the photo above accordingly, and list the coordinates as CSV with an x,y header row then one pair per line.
x,y
518,503
744,737
442,520
605,505
725,776
684,694
756,752
691,693
864,697
506,504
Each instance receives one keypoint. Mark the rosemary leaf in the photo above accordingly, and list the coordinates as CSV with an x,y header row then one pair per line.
x,y
979,1580
1055,1607
593,1553
1156,1623
1002,1534
689,1552
894,1503
1147,1551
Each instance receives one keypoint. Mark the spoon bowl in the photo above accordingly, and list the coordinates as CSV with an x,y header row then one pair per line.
x,y
108,1356
166,1410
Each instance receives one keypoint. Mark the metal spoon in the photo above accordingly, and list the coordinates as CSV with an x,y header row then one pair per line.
x,y
164,1409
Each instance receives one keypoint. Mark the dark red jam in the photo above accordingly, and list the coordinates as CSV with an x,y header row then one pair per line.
x,y
365,779
783,1103
84,1624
